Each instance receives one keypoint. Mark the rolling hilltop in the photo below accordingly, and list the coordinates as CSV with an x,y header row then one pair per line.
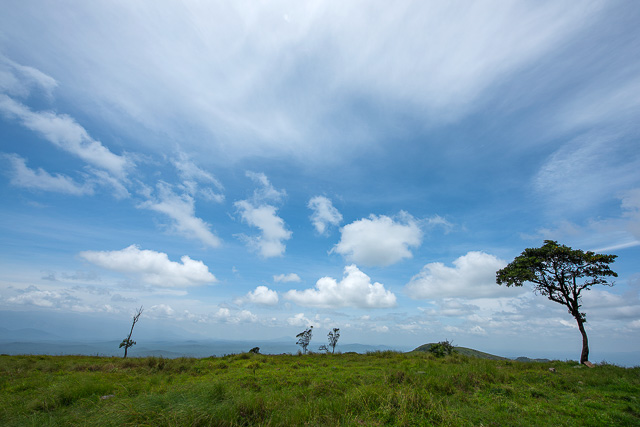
x,y
475,353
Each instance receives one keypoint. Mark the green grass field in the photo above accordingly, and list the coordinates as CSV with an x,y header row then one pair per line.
x,y
385,388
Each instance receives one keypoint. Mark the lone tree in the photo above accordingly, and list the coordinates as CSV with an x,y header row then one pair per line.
x,y
304,338
334,336
128,342
560,273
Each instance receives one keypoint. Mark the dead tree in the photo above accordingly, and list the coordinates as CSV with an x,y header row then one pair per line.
x,y
127,342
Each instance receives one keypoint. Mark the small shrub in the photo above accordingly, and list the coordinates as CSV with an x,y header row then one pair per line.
x,y
443,348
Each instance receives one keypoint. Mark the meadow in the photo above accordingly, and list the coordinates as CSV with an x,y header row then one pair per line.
x,y
381,388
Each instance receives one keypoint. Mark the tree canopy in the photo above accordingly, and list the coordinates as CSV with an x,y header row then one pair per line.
x,y
560,273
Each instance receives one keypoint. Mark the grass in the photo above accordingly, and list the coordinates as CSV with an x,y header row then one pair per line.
x,y
382,388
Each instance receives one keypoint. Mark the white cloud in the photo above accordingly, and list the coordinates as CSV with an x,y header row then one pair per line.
x,y
354,290
65,133
585,171
22,176
257,213
191,175
181,209
477,330
379,241
324,214
243,316
472,276
18,80
263,216
153,268
299,320
616,98
286,278
631,211
270,242
602,304
602,235
438,221
189,171
453,308
212,72
39,298
266,191
261,295
160,310
105,179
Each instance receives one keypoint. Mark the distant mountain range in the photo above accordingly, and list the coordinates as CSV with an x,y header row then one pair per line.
x,y
34,341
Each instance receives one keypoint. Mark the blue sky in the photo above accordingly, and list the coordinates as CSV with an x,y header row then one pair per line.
x,y
244,170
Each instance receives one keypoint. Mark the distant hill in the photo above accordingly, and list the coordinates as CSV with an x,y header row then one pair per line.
x,y
526,359
466,351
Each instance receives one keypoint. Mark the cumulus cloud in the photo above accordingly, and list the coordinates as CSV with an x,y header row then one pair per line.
x,y
261,295
286,278
65,133
181,209
354,290
39,179
153,268
324,214
270,243
257,213
379,240
299,320
472,276
242,316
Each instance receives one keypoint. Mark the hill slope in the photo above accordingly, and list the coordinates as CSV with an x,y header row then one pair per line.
x,y
465,351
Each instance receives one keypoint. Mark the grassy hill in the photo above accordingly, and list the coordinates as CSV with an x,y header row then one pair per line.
x,y
319,389
465,351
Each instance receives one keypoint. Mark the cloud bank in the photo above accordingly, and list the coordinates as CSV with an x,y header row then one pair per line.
x,y
153,268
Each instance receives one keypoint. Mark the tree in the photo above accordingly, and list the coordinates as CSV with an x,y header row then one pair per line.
x,y
127,342
304,338
443,348
561,274
334,336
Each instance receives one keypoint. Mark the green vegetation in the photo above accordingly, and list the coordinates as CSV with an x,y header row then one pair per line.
x,y
561,274
382,388
465,351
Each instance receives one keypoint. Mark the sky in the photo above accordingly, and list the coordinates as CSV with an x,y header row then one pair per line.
x,y
244,170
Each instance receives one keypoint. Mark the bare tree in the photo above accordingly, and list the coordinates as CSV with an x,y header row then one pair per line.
x,y
304,338
127,342
334,336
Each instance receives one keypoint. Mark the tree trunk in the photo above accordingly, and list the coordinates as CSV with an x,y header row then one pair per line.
x,y
584,356
125,352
